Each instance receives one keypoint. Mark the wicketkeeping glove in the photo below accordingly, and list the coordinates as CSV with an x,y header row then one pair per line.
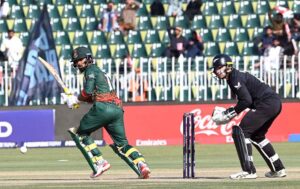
x,y
71,100
222,115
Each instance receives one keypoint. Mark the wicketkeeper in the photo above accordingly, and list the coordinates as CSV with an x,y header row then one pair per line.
x,y
264,105
106,112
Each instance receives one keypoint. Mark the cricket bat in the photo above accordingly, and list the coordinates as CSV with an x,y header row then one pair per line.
x,y
56,76
52,70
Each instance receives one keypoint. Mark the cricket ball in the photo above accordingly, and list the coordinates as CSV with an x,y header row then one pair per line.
x,y
23,149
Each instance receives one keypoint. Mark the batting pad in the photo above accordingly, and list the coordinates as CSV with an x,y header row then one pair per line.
x,y
268,153
241,148
126,158
86,150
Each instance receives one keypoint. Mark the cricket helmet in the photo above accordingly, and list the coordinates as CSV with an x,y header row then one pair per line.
x,y
80,53
221,60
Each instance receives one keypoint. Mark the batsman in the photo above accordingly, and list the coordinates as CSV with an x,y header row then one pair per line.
x,y
106,112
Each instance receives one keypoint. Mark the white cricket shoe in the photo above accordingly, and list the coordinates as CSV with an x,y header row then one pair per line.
x,y
243,175
101,168
276,174
144,170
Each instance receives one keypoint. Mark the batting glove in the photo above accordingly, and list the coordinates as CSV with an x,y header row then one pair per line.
x,y
222,115
71,100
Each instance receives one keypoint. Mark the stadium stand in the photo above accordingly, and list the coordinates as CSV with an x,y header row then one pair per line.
x,y
225,27
233,21
101,51
65,51
31,11
244,7
215,21
53,11
209,8
227,8
261,7
134,37
144,23
160,22
62,38
3,26
119,51
56,24
17,12
86,10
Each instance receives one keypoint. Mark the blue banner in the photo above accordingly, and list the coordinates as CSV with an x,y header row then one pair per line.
x,y
33,82
27,125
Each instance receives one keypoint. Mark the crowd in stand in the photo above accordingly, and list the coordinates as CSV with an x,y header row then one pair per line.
x,y
124,21
4,9
11,49
279,38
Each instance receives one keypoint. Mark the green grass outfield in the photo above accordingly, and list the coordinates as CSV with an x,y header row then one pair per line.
x,y
66,168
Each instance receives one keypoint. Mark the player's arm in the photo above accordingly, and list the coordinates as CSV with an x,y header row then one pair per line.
x,y
85,97
244,98
87,92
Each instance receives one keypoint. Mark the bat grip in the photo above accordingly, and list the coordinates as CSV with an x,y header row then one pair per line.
x,y
67,91
75,106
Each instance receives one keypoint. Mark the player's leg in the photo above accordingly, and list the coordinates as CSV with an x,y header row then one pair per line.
x,y
267,151
256,128
251,122
127,160
81,136
244,151
129,154
133,158
269,109
90,151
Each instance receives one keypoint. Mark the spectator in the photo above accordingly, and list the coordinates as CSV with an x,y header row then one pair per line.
x,y
280,27
178,43
128,16
12,47
4,9
109,19
2,56
272,56
157,8
282,31
266,40
175,8
277,23
295,27
195,45
286,12
193,8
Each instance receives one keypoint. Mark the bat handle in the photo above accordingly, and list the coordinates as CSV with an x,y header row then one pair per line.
x,y
67,91
75,106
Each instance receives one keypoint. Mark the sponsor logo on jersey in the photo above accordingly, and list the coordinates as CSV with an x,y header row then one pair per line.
x,y
238,86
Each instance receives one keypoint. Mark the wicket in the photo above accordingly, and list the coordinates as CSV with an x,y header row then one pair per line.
x,y
188,145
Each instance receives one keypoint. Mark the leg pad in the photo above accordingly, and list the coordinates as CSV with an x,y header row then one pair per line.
x,y
88,148
241,148
127,154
